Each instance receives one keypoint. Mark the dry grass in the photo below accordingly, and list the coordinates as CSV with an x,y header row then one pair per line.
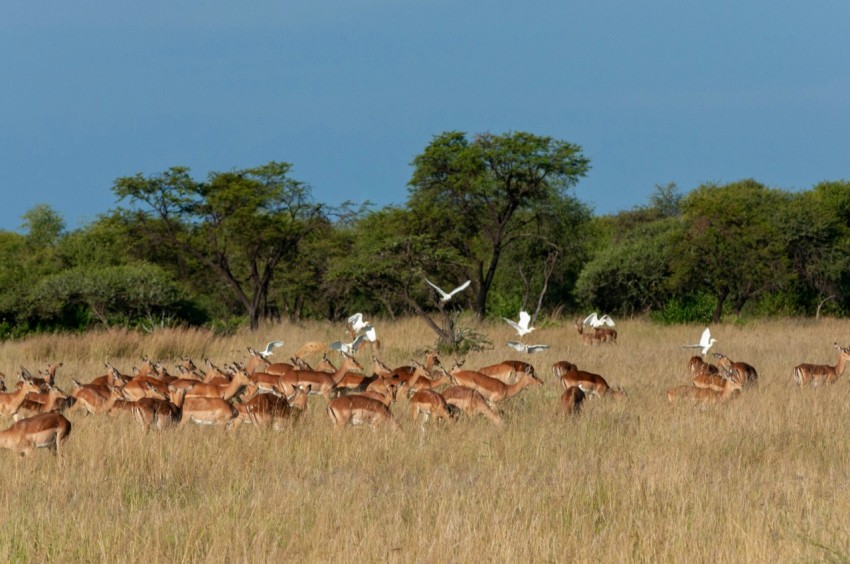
x,y
764,478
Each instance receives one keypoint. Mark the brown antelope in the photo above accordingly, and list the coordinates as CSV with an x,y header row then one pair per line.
x,y
572,399
156,413
741,371
587,338
428,403
562,367
589,383
470,402
320,382
386,398
697,366
508,370
47,430
731,390
92,398
424,380
822,374
144,386
204,410
10,402
54,401
258,362
493,390
360,410
221,391
262,410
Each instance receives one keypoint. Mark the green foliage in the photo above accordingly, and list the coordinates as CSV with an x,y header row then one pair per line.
x,y
697,308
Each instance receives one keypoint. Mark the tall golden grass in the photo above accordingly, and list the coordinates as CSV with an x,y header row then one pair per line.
x,y
764,478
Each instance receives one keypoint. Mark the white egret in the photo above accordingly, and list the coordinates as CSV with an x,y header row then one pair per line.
x,y
530,349
357,322
597,322
348,348
446,296
705,342
269,348
522,327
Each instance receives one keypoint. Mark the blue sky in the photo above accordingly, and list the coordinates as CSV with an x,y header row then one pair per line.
x,y
349,92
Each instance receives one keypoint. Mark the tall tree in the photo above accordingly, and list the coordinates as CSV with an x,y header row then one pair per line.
x,y
469,193
242,225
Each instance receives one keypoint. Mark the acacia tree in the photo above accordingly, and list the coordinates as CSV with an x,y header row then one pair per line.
x,y
468,193
240,225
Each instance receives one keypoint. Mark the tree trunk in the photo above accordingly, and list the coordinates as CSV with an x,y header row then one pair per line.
x,y
718,310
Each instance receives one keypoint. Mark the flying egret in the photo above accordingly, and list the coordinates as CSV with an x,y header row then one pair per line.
x,y
269,348
522,327
357,322
705,342
447,296
370,333
530,349
597,322
348,348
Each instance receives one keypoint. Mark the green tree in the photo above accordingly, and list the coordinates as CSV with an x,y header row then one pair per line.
x,y
240,225
732,245
477,196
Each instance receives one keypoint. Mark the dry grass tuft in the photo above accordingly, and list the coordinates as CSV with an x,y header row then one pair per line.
x,y
762,478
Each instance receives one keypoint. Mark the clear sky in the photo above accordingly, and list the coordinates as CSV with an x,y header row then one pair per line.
x,y
350,91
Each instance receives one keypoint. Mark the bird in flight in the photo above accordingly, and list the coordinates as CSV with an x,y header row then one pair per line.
x,y
597,322
522,327
348,348
356,322
530,349
267,352
446,296
705,342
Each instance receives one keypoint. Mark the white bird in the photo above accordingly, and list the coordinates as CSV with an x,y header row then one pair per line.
x,y
522,327
705,342
530,349
269,348
370,333
597,322
348,348
357,323
447,296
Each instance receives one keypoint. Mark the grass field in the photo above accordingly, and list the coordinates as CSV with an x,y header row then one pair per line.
x,y
763,478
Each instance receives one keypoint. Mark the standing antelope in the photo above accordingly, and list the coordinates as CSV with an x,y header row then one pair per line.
x,y
360,410
572,399
587,338
822,374
589,382
470,402
428,403
742,371
47,430
508,370
493,390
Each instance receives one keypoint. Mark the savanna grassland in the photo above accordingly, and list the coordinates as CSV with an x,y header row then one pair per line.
x,y
763,478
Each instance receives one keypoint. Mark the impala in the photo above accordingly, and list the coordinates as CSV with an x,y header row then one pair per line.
x,y
91,398
731,389
320,382
220,391
741,371
47,430
587,338
822,374
47,380
562,367
428,403
54,400
508,370
470,402
572,399
493,390
589,383
263,410
204,410
360,410
157,413
143,386
11,401
423,380
697,366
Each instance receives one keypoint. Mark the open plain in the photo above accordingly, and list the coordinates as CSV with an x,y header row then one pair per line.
x,y
765,477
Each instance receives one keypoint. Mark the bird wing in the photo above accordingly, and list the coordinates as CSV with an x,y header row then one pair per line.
x,y
513,324
524,319
606,320
590,319
336,345
516,345
442,293
370,333
355,319
271,346
460,288
537,348
358,342
706,337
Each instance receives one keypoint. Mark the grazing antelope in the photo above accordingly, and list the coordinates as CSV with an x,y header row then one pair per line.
x,y
221,391
587,338
822,374
204,410
320,382
47,430
54,401
360,410
731,390
589,383
156,413
562,367
508,370
470,402
741,371
262,410
493,390
92,398
572,399
428,403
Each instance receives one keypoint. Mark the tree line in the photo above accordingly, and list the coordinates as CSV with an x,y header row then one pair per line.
x,y
246,245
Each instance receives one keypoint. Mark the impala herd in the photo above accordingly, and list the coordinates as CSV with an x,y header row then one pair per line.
x,y
271,394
